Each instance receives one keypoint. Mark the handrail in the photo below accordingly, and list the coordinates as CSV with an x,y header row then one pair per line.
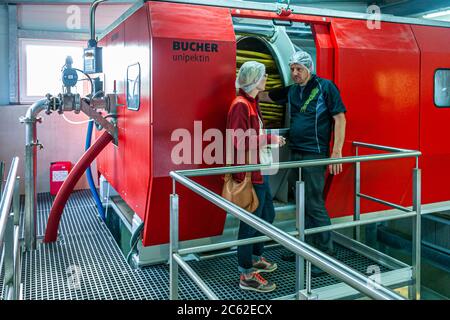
x,y
7,196
297,164
2,175
323,261
298,246
379,147
9,234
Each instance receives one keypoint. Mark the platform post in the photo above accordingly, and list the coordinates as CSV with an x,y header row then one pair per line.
x,y
174,232
416,235
357,204
300,224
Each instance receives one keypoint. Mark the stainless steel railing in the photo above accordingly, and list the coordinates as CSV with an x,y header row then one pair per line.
x,y
298,246
10,249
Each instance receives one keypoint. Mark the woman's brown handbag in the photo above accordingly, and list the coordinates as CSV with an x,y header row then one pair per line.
x,y
242,193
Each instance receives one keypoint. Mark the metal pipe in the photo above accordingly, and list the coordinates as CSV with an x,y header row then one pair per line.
x,y
357,200
17,264
323,261
2,176
228,244
300,224
193,275
389,204
416,234
358,223
30,171
296,164
16,202
379,147
308,278
6,199
173,246
92,16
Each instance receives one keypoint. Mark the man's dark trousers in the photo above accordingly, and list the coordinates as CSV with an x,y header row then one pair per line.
x,y
316,214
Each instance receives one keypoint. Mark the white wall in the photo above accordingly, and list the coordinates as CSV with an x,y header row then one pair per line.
x,y
62,142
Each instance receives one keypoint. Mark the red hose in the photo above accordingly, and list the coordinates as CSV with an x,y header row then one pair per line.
x,y
51,233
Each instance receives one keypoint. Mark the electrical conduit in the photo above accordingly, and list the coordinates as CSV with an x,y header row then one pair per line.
x,y
89,177
80,167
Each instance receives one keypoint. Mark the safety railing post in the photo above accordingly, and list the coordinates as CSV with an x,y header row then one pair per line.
x,y
357,213
415,290
2,176
300,224
174,232
8,259
17,245
16,202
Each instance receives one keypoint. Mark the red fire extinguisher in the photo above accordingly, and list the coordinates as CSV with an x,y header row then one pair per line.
x,y
58,173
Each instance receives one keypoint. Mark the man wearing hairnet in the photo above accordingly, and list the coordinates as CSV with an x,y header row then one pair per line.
x,y
316,110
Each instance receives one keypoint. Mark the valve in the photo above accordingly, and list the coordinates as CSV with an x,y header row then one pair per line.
x,y
283,11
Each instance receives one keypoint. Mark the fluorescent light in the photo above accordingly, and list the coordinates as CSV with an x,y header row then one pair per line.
x,y
437,14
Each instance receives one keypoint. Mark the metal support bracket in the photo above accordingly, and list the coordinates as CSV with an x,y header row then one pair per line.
x,y
303,295
97,117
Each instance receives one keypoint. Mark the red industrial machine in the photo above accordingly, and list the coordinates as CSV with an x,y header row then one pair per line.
x,y
175,64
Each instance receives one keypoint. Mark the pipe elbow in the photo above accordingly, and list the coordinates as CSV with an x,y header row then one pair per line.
x,y
36,108
92,16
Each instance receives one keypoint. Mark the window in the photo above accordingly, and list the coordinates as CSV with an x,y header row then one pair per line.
x,y
442,88
40,67
133,86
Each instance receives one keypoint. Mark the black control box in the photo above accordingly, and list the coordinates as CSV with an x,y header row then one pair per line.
x,y
93,60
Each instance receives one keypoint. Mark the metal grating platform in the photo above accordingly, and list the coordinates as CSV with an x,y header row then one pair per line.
x,y
86,263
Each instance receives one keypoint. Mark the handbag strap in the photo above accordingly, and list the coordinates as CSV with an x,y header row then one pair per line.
x,y
228,176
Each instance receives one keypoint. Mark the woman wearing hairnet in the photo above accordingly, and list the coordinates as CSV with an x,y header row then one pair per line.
x,y
245,116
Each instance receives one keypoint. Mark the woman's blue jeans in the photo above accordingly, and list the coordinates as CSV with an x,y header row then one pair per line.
x,y
249,252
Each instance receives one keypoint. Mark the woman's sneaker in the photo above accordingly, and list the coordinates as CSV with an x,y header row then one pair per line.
x,y
262,265
256,283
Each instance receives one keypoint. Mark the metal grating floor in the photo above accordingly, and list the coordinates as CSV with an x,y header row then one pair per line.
x,y
86,263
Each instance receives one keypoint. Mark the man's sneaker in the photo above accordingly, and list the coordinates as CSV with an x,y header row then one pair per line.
x,y
317,272
264,266
256,283
288,256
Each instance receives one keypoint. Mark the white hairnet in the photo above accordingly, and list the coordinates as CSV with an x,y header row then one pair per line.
x,y
250,74
303,58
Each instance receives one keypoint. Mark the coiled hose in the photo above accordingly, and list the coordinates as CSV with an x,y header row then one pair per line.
x,y
273,114
90,179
